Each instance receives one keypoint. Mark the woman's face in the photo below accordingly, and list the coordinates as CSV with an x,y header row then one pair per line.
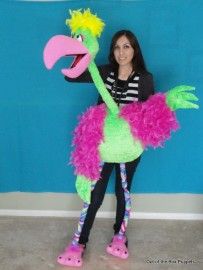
x,y
123,52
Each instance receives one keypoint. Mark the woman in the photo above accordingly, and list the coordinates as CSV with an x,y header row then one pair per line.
x,y
127,80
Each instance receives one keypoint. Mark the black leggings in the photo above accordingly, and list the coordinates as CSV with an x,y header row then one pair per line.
x,y
98,193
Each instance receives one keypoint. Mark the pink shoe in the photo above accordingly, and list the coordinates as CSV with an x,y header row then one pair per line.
x,y
118,247
72,255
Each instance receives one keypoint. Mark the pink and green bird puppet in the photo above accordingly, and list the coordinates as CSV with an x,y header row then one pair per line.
x,y
107,133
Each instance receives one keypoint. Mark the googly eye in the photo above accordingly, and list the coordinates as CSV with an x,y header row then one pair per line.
x,y
79,38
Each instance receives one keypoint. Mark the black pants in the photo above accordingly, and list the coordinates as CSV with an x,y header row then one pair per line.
x,y
98,193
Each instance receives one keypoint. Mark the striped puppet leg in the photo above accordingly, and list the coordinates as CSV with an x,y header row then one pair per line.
x,y
127,200
76,237
119,243
73,253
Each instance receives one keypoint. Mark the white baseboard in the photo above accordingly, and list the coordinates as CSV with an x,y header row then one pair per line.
x,y
144,206
100,214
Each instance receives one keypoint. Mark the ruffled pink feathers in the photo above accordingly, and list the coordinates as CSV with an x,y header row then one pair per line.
x,y
87,137
152,121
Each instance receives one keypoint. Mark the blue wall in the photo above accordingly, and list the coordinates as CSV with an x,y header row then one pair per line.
x,y
39,109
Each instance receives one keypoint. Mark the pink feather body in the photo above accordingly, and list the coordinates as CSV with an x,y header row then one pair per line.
x,y
151,123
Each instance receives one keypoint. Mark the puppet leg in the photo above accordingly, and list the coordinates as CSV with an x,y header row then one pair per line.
x,y
118,245
73,253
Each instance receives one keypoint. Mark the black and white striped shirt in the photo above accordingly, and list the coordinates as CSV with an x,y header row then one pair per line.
x,y
139,87
123,92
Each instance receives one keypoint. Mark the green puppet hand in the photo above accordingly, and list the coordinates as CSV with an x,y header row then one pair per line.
x,y
179,98
83,187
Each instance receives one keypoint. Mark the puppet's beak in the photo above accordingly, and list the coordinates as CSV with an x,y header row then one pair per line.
x,y
60,46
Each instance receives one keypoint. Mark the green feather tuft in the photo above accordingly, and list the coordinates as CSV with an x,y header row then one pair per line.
x,y
179,98
83,187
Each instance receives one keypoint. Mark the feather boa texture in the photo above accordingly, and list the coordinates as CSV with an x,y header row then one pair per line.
x,y
87,137
152,121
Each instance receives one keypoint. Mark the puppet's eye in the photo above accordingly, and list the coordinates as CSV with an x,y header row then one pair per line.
x,y
79,38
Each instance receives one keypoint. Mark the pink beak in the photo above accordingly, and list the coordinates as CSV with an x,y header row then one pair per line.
x,y
59,46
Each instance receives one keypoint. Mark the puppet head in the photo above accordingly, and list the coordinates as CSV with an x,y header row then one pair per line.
x,y
85,28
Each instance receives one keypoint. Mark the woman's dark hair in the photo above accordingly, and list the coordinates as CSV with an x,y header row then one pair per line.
x,y
137,61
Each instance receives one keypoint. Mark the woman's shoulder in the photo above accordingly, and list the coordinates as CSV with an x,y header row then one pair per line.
x,y
105,70
145,74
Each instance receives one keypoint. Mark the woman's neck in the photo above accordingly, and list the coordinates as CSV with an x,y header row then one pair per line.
x,y
124,72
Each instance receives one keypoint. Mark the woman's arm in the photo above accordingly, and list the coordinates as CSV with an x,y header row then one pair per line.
x,y
86,76
146,86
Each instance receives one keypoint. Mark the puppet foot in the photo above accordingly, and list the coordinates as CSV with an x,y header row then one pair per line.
x,y
118,247
72,255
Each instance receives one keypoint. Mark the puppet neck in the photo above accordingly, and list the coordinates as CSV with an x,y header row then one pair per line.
x,y
110,103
